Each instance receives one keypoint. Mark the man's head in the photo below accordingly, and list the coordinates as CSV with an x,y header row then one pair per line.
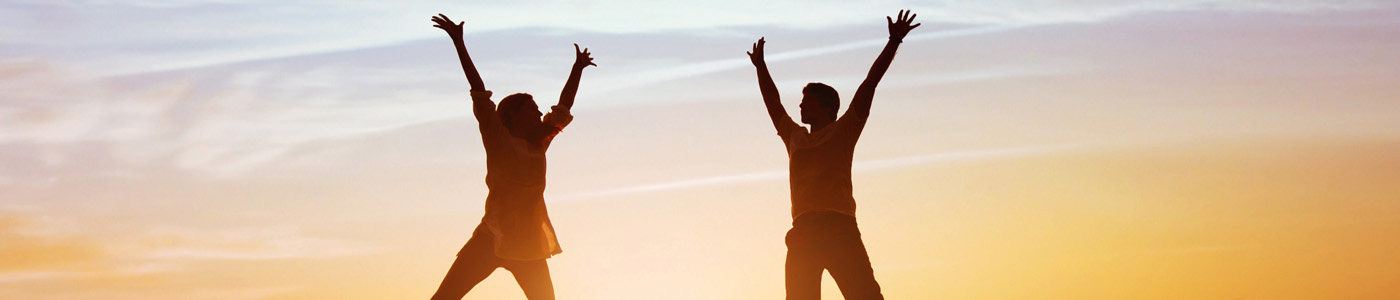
x,y
520,115
819,103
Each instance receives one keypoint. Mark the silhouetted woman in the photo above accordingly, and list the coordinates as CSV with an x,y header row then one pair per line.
x,y
515,233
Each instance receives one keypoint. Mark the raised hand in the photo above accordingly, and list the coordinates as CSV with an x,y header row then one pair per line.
x,y
453,29
756,55
768,89
582,58
900,28
859,110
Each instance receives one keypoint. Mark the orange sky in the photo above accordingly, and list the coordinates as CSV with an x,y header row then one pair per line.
x,y
1109,150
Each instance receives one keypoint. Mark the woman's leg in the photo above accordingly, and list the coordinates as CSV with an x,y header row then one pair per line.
x,y
476,261
533,277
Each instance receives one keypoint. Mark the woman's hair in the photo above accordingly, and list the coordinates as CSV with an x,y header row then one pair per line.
x,y
510,104
505,111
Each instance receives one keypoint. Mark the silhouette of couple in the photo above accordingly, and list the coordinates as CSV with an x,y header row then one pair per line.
x,y
516,234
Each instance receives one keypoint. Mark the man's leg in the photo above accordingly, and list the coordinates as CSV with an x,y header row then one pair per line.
x,y
803,269
476,261
848,262
533,278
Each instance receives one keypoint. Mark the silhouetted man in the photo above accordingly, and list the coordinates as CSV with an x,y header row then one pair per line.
x,y
824,233
515,233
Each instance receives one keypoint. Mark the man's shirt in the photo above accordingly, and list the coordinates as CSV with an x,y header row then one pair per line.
x,y
819,165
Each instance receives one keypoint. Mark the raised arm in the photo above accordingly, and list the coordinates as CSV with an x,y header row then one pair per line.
x,y
581,60
454,30
776,112
860,105
482,106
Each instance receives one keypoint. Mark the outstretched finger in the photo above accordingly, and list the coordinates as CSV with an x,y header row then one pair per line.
x,y
916,25
888,20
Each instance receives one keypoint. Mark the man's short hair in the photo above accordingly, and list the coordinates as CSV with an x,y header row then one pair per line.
x,y
825,95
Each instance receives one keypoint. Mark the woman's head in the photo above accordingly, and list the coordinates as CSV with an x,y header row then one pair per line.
x,y
520,115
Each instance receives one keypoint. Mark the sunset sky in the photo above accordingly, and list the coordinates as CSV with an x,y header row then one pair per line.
x,y
313,149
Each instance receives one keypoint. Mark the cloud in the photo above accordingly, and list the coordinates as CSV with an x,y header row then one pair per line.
x,y
1204,249
214,122
210,293
124,37
1047,12
244,244
247,84
52,249
710,67
988,73
857,167
25,246
226,121
42,102
46,258
23,276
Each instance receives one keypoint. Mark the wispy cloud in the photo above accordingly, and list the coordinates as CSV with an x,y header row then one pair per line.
x,y
861,166
607,85
220,124
1204,249
144,36
22,276
1044,12
54,249
256,81
245,244
211,293
230,120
